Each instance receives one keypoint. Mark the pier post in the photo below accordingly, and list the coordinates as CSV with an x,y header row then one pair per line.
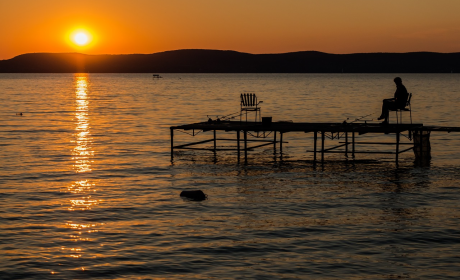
x,y
353,145
322,146
315,137
274,142
172,143
215,141
281,142
397,146
346,144
422,147
238,144
245,145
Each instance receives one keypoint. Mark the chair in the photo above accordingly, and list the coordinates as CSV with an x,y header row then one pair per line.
x,y
407,108
249,104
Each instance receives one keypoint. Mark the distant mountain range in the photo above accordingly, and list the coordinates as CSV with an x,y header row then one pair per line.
x,y
217,61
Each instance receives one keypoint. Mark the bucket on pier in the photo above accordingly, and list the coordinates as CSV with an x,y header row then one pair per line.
x,y
266,121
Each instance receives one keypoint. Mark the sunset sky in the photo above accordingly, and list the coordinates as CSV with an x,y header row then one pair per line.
x,y
253,26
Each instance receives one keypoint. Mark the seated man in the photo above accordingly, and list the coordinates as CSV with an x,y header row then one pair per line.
x,y
398,102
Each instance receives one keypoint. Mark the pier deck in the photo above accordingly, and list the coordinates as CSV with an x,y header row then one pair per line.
x,y
346,131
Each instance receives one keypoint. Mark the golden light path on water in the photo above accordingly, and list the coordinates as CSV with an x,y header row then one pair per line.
x,y
82,155
82,151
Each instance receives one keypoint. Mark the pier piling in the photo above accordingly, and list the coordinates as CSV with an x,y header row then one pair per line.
x,y
172,142
238,143
245,146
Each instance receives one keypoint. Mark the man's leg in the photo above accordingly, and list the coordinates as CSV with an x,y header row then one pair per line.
x,y
390,105
384,114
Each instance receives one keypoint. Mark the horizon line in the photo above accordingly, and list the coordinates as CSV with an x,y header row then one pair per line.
x,y
313,51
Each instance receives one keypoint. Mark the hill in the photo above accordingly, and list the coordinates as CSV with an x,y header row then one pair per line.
x,y
216,61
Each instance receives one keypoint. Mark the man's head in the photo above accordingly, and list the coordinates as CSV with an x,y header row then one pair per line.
x,y
398,81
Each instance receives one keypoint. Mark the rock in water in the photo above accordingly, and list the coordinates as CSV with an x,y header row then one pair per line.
x,y
194,195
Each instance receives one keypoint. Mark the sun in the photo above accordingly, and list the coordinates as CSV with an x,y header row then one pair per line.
x,y
81,38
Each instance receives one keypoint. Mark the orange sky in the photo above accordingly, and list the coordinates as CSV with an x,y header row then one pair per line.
x,y
254,26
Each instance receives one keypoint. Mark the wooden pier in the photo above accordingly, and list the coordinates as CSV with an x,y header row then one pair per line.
x,y
347,132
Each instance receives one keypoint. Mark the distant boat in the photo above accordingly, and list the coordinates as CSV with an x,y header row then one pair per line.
x,y
156,76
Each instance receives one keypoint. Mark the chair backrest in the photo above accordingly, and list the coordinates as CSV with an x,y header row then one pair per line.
x,y
249,100
408,102
408,99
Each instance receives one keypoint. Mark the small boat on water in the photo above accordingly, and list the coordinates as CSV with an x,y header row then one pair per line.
x,y
156,76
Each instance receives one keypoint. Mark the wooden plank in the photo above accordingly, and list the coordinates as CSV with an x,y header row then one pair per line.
x,y
209,149
335,147
194,143
380,143
249,140
405,150
358,152
258,146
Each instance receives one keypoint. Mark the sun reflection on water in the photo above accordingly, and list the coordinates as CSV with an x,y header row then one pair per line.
x,y
82,152
83,189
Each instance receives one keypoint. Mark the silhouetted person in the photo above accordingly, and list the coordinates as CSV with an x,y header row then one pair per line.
x,y
398,102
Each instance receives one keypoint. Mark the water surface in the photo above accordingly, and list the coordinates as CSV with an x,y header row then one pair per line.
x,y
87,188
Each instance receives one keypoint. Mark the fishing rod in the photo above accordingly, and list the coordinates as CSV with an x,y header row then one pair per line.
x,y
361,118
226,117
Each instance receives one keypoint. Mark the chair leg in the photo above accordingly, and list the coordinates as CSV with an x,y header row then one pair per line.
x,y
410,114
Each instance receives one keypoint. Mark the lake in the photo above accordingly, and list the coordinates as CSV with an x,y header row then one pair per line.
x,y
88,189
